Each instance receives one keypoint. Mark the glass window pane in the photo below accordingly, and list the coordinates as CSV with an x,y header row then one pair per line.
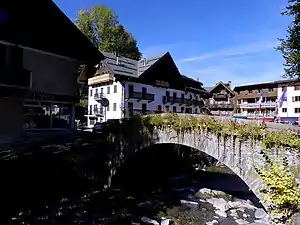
x,y
36,115
61,115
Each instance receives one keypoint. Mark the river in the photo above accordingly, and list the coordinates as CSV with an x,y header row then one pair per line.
x,y
158,186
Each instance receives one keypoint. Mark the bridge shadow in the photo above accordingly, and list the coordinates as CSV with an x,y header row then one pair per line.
x,y
159,171
65,184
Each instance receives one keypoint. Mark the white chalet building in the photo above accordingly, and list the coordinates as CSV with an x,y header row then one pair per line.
x,y
152,85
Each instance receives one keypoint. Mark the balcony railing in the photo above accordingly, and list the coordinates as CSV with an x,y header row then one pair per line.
x,y
139,112
15,77
173,100
98,112
220,106
141,96
199,103
256,105
220,96
98,96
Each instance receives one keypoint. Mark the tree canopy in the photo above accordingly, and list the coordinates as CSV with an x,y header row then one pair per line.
x,y
101,25
290,46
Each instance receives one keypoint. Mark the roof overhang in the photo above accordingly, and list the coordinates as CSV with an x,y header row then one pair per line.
x,y
41,25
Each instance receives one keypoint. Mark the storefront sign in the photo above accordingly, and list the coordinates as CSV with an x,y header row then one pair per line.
x,y
40,96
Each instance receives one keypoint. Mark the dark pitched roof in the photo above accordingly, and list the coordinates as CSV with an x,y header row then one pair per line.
x,y
121,65
146,63
223,84
42,25
208,88
128,67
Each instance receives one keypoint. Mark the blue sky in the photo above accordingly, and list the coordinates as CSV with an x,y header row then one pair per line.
x,y
211,40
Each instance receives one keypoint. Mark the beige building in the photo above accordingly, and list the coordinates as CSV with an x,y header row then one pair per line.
x,y
40,52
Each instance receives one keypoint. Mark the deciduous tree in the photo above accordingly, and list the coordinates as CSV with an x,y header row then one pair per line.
x,y
100,24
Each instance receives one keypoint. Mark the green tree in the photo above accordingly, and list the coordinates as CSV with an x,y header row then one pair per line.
x,y
100,24
290,46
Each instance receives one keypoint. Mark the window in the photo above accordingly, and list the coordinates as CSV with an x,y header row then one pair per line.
x,y
297,87
191,97
196,110
130,91
37,115
182,109
250,91
61,116
108,90
101,90
91,92
96,91
130,108
182,96
167,108
91,109
270,90
174,94
282,88
284,110
107,108
159,108
115,88
296,99
41,115
144,108
115,107
92,121
144,90
174,109
297,110
95,107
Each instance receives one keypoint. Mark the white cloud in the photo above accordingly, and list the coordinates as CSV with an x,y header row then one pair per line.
x,y
234,51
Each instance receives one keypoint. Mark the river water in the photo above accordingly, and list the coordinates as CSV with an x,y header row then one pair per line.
x,y
157,186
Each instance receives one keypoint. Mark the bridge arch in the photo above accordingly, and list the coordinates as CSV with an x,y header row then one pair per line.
x,y
144,170
230,152
240,156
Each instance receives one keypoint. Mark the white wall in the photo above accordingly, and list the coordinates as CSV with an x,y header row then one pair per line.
x,y
112,97
289,104
158,98
118,98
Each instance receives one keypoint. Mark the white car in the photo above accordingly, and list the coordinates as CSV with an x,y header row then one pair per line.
x,y
97,127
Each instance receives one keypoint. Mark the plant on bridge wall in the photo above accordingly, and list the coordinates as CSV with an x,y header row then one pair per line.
x,y
243,131
281,189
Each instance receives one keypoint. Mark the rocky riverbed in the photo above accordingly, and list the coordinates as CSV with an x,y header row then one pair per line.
x,y
169,189
180,201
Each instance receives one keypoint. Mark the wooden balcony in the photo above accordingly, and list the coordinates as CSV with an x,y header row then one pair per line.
x,y
103,78
173,100
141,96
199,103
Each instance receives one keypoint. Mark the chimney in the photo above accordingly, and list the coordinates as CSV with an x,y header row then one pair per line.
x,y
229,83
197,79
117,60
144,61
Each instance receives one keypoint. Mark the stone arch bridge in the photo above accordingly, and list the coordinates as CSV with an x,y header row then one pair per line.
x,y
130,136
